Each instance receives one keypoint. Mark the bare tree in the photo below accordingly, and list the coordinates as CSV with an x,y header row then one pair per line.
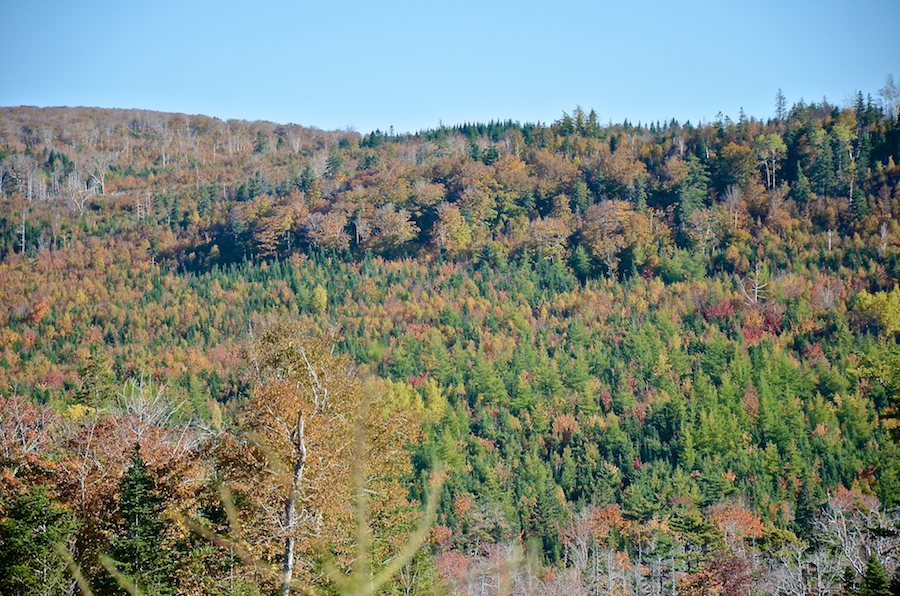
x,y
141,405
46,134
161,128
679,144
18,167
853,526
758,283
98,167
187,138
143,205
701,228
294,137
408,576
25,429
797,570
89,135
735,204
825,291
165,140
890,96
77,192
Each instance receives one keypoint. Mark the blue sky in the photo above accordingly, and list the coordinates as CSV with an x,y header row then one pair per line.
x,y
413,65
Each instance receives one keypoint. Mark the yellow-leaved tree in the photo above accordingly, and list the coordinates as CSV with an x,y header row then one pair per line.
x,y
880,364
884,306
316,469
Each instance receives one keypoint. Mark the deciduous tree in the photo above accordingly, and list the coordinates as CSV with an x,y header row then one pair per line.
x,y
603,231
451,232
769,149
307,429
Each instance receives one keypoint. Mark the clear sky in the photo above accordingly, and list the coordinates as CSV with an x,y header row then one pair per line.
x,y
412,65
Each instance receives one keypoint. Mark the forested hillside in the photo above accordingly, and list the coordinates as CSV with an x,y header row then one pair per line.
x,y
619,359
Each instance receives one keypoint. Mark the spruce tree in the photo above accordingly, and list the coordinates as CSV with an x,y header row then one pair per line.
x,y
580,263
692,192
875,582
30,528
821,174
334,164
137,546
810,498
98,381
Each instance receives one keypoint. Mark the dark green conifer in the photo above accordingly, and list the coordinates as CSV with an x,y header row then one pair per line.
x,y
811,497
98,381
262,142
138,547
334,164
580,263
875,581
692,190
31,527
849,581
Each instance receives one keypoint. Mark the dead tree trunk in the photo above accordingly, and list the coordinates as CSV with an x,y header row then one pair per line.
x,y
290,507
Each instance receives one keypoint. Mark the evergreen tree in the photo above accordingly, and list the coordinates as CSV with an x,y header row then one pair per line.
x,y
692,190
542,525
307,178
800,190
821,173
875,581
262,142
809,499
98,381
474,149
31,527
137,545
580,263
334,164
582,197
780,105
849,581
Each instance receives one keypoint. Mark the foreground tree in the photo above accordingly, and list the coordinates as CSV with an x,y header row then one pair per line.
x,y
137,548
31,525
25,435
315,441
96,451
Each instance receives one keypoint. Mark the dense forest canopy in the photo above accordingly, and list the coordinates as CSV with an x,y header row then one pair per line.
x,y
622,359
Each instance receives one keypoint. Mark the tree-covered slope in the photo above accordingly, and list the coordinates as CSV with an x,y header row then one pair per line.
x,y
653,356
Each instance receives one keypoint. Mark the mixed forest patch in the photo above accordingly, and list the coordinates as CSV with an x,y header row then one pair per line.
x,y
617,358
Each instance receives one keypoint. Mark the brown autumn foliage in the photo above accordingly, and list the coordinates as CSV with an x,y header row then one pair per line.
x,y
346,423
736,522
